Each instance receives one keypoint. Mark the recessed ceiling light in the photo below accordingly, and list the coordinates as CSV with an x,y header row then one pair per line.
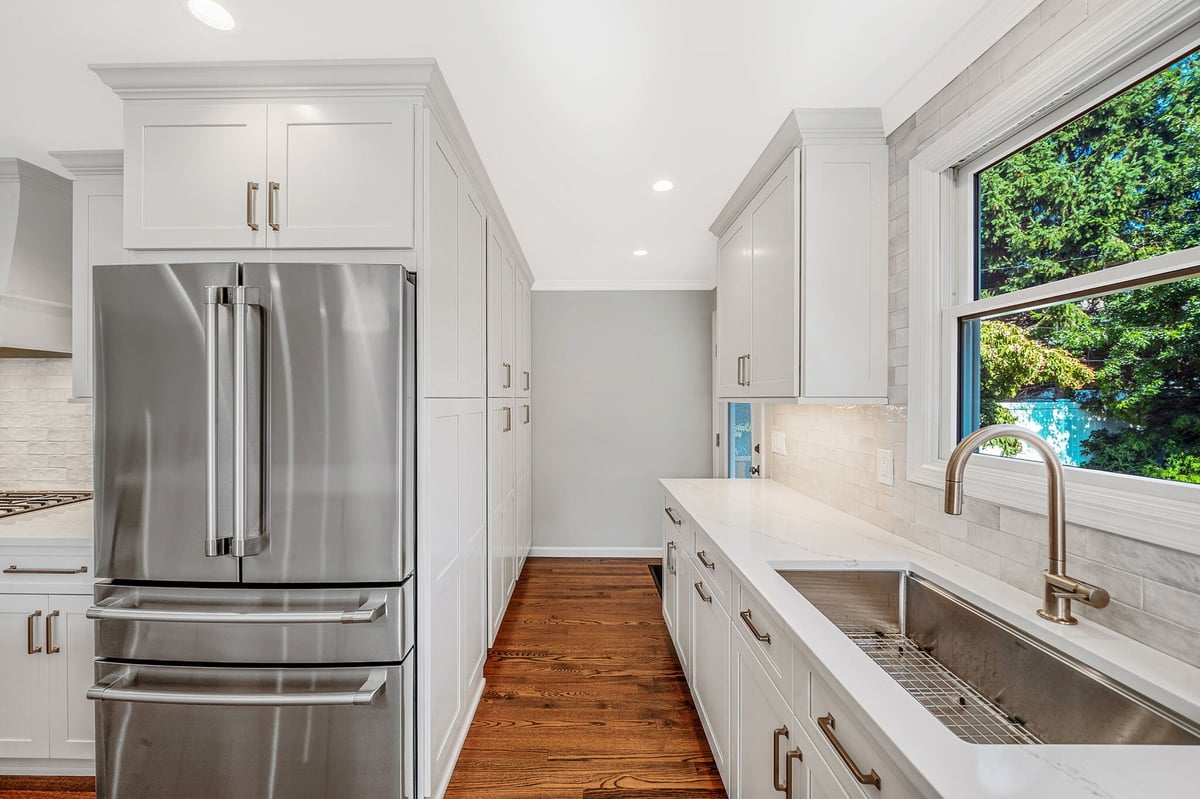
x,y
662,185
212,14
641,252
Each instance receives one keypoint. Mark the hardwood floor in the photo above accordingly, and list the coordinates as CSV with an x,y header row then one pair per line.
x,y
47,787
585,698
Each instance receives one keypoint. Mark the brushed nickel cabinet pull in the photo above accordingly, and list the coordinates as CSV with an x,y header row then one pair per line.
x,y
792,757
526,413
739,371
15,569
708,564
671,515
781,732
700,590
526,380
51,649
507,375
29,647
670,557
747,369
251,197
764,637
273,205
507,419
869,778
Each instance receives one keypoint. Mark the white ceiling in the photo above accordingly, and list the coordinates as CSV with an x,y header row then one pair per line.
x,y
576,106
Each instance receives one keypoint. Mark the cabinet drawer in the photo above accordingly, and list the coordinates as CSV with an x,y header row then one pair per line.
x,y
677,526
30,572
713,569
765,634
847,746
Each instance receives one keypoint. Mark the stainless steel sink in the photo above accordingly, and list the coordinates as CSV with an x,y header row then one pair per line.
x,y
984,679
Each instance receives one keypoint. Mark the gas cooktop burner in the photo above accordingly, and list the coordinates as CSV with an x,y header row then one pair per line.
x,y
14,502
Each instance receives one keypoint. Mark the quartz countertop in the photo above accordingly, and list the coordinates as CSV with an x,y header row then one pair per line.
x,y
66,522
762,526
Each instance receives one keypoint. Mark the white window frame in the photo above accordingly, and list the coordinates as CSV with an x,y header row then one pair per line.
x,y
1128,40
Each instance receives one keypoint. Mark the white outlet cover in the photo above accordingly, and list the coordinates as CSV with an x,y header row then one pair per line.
x,y
778,442
885,466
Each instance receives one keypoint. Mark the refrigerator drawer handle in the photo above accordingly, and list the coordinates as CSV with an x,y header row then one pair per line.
x,y
116,688
374,608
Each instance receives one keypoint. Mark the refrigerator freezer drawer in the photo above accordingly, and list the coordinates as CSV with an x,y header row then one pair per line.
x,y
254,625
302,733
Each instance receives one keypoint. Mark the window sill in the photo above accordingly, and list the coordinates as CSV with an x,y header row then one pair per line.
x,y
1157,511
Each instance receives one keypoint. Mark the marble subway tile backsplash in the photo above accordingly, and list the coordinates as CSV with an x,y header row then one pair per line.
x,y
45,440
1155,591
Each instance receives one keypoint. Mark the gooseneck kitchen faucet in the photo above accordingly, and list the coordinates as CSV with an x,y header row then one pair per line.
x,y
1059,589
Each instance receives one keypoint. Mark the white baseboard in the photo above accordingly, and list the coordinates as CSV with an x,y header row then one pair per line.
x,y
595,552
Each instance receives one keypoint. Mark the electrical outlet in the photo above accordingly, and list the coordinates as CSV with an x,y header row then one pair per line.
x,y
778,442
885,466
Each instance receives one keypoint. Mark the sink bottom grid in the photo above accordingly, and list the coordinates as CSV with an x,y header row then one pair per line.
x,y
968,714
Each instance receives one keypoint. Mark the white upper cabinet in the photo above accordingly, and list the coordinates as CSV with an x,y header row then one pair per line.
x,y
802,265
454,280
501,291
274,155
734,310
96,236
340,174
195,175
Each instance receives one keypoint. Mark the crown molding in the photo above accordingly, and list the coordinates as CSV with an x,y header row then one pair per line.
x,y
800,127
624,285
91,163
267,79
17,170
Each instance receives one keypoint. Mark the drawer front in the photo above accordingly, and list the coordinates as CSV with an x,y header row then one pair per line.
x,y
174,731
855,758
241,625
713,569
50,573
678,526
765,634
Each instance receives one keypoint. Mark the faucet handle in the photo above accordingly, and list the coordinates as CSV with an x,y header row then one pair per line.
x,y
1091,595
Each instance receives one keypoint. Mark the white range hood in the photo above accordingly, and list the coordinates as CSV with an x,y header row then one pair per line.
x,y
35,261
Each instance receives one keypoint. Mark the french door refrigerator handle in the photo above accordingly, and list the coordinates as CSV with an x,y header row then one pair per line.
x,y
242,297
115,688
374,608
214,544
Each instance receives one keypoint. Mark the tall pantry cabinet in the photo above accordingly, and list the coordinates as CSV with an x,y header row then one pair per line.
x,y
351,161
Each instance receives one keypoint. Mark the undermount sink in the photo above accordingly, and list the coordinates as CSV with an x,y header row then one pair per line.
x,y
985,680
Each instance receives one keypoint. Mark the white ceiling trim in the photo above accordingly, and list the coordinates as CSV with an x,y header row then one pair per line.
x,y
985,29
624,285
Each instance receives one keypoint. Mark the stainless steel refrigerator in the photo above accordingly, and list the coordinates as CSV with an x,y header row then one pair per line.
x,y
255,521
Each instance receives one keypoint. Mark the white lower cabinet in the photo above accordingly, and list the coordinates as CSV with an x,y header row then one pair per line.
x,y
710,668
46,650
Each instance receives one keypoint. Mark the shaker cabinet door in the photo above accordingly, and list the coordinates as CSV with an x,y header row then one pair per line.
x,y
24,723
340,174
72,715
775,327
733,311
195,176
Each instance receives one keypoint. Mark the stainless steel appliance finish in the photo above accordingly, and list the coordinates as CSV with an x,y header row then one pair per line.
x,y
263,625
15,502
255,530
1016,689
297,733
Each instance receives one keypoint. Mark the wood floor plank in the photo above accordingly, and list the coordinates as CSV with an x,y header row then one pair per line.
x,y
585,698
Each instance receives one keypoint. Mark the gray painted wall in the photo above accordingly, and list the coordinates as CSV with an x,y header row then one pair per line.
x,y
622,397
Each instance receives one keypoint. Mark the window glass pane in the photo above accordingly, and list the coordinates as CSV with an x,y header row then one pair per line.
x,y
1120,183
741,439
1112,382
